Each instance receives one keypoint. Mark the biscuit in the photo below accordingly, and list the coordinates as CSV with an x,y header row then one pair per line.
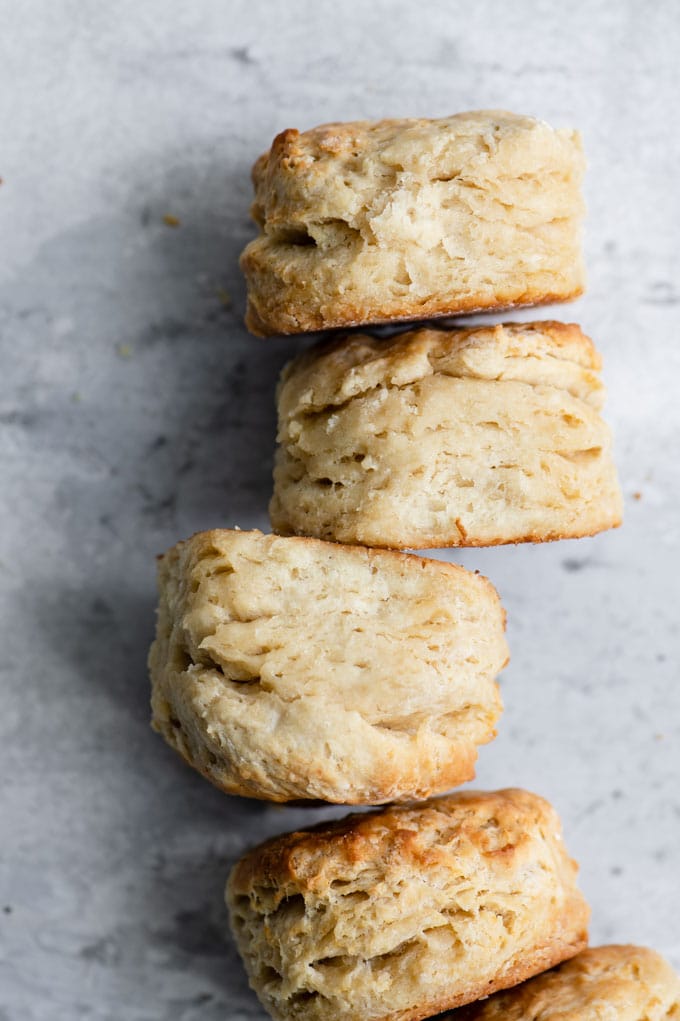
x,y
470,437
621,983
287,669
371,222
404,912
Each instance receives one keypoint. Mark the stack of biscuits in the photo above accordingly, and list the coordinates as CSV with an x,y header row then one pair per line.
x,y
324,663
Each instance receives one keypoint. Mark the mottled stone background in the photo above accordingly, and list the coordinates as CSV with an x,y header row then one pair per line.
x,y
135,409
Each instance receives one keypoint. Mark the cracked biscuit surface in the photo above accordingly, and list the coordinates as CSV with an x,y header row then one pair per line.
x,y
466,437
287,669
371,222
404,912
611,983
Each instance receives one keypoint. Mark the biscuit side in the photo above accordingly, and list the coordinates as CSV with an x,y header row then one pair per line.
x,y
398,220
293,668
446,438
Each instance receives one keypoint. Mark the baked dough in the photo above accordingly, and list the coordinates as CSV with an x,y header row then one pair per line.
x,y
468,437
291,668
408,911
407,219
614,983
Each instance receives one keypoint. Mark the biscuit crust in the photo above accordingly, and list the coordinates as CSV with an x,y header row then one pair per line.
x,y
466,437
625,983
290,669
372,222
405,912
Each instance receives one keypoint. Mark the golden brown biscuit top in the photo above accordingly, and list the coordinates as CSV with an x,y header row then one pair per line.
x,y
498,826
342,169
413,136
406,145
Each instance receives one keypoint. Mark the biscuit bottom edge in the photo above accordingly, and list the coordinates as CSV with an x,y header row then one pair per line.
x,y
277,321
632,982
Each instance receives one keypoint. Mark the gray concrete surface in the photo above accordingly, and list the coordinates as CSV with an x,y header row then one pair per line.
x,y
135,409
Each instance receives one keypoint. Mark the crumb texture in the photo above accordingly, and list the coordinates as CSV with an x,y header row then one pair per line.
x,y
406,219
612,983
408,911
468,437
292,668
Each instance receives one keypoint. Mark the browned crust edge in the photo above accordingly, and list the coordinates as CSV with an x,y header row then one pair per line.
x,y
469,542
311,322
608,956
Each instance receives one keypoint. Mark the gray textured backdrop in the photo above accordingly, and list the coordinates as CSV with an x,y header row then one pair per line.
x,y
135,409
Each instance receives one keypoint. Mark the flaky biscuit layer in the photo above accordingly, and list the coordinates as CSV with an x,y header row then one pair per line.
x,y
371,222
468,437
292,668
401,913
